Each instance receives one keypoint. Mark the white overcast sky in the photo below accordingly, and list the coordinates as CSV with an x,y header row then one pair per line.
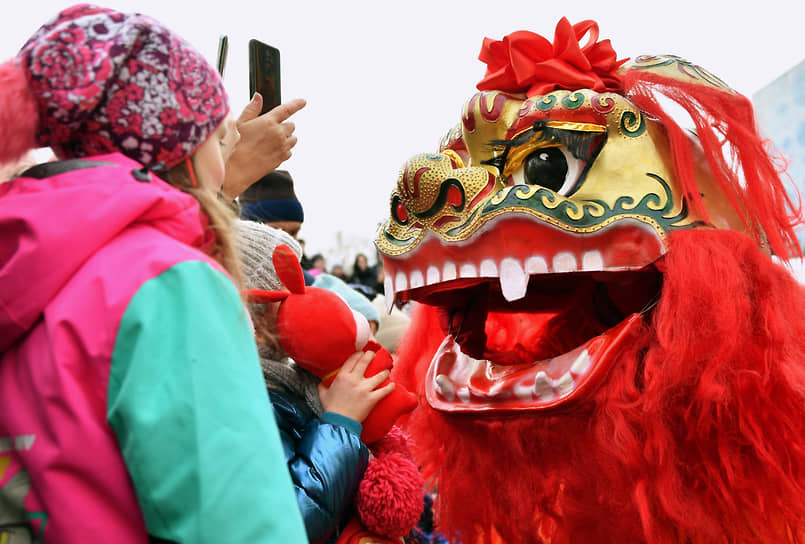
x,y
386,80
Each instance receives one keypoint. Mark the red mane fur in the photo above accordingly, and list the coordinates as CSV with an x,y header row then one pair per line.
x,y
697,435
738,157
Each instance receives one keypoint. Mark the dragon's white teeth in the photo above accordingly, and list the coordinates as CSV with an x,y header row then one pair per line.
x,y
581,364
513,273
467,270
388,289
449,271
432,275
564,262
453,377
565,384
488,269
592,261
543,385
416,279
401,282
536,265
513,280
524,392
445,387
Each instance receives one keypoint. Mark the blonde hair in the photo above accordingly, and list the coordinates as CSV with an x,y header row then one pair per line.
x,y
265,330
221,217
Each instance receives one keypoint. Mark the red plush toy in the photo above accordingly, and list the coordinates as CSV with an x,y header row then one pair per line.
x,y
318,330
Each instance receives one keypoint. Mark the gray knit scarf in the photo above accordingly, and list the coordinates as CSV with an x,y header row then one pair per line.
x,y
285,376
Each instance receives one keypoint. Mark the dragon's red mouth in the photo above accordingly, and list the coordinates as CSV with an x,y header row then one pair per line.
x,y
552,346
551,343
457,382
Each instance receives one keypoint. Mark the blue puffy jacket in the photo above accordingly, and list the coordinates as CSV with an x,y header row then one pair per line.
x,y
326,459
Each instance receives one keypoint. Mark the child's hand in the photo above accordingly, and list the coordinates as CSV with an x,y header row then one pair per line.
x,y
351,394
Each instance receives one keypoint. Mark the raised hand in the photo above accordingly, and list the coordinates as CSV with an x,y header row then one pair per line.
x,y
351,394
265,143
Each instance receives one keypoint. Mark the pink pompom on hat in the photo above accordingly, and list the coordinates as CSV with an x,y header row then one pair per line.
x,y
95,81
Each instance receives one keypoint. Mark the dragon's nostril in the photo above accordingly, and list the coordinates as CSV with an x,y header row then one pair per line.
x,y
401,213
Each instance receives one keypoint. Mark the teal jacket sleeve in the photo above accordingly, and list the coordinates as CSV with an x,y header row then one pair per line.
x,y
187,403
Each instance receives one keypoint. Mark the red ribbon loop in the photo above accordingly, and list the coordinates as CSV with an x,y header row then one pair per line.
x,y
525,62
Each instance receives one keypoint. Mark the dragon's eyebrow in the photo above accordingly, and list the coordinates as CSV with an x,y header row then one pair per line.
x,y
582,139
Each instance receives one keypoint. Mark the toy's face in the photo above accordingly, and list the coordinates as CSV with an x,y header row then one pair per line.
x,y
535,230
319,330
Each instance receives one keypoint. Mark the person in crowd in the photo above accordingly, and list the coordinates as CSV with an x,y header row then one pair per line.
x,y
272,200
320,427
132,407
380,276
318,264
362,273
338,271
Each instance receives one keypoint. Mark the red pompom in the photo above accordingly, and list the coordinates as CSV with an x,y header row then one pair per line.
x,y
391,496
394,441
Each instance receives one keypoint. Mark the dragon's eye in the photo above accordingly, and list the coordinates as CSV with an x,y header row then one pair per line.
x,y
552,167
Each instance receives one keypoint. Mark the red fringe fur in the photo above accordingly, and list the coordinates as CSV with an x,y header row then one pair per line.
x,y
738,157
698,434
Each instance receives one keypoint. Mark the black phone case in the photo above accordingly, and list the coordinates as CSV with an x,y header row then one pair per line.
x,y
223,51
264,73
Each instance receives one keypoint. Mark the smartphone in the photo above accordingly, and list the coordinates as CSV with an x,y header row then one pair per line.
x,y
264,73
223,51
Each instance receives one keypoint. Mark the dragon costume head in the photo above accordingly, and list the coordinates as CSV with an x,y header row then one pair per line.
x,y
606,349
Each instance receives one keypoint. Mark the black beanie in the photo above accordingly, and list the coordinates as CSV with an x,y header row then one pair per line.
x,y
271,198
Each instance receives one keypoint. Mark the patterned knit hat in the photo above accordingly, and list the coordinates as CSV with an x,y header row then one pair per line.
x,y
102,81
256,243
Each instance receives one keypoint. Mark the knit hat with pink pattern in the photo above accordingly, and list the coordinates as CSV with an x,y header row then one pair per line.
x,y
95,81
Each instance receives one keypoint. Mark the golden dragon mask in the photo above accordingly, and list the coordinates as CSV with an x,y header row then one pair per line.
x,y
537,227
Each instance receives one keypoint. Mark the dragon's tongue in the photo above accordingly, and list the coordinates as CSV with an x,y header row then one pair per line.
x,y
468,323
520,333
523,338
